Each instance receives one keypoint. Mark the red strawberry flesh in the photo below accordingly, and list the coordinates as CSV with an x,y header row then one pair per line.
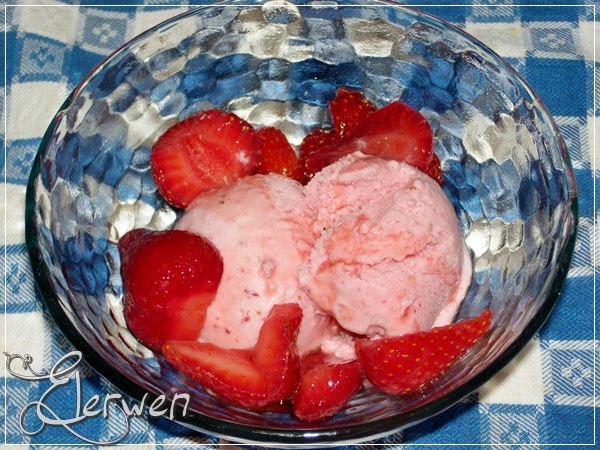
x,y
169,280
228,374
277,155
348,110
395,131
275,354
251,378
317,139
325,389
398,132
206,151
435,170
410,363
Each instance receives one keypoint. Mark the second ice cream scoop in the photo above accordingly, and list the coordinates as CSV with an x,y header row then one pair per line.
x,y
389,257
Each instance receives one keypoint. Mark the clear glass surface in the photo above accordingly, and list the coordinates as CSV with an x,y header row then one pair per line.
x,y
506,169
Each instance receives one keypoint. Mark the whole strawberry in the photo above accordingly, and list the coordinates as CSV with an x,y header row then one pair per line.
x,y
409,363
169,280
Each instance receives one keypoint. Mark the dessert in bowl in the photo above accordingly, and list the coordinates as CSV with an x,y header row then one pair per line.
x,y
506,174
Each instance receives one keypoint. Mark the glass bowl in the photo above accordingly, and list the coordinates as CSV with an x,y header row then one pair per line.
x,y
507,173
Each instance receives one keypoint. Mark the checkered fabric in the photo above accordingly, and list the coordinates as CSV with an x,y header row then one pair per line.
x,y
544,398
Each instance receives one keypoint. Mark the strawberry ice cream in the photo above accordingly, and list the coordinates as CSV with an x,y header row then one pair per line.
x,y
317,284
372,243
389,257
259,228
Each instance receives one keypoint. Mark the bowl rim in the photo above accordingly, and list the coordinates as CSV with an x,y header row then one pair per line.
x,y
306,435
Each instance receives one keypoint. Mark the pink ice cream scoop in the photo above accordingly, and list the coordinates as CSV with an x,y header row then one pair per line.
x,y
258,226
389,257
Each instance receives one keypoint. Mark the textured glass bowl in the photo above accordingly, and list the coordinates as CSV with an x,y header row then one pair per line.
x,y
506,167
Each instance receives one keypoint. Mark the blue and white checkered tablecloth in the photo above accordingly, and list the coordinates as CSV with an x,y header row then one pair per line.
x,y
544,398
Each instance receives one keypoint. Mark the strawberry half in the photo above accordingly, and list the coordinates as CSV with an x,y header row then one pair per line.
x,y
277,155
348,109
206,151
395,131
317,139
266,374
228,374
313,143
409,363
311,360
275,354
398,132
169,280
325,389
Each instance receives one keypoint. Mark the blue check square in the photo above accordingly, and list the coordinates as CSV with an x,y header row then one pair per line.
x,y
488,12
576,425
585,188
20,289
569,372
19,159
3,412
41,59
587,12
570,75
548,13
552,40
568,312
453,13
19,394
13,55
516,63
513,424
80,63
458,425
102,33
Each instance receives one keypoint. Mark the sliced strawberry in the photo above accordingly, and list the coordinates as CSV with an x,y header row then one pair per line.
x,y
169,280
277,155
208,150
409,363
314,143
325,389
348,109
398,132
311,360
228,373
266,374
275,354
317,139
395,131
435,170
